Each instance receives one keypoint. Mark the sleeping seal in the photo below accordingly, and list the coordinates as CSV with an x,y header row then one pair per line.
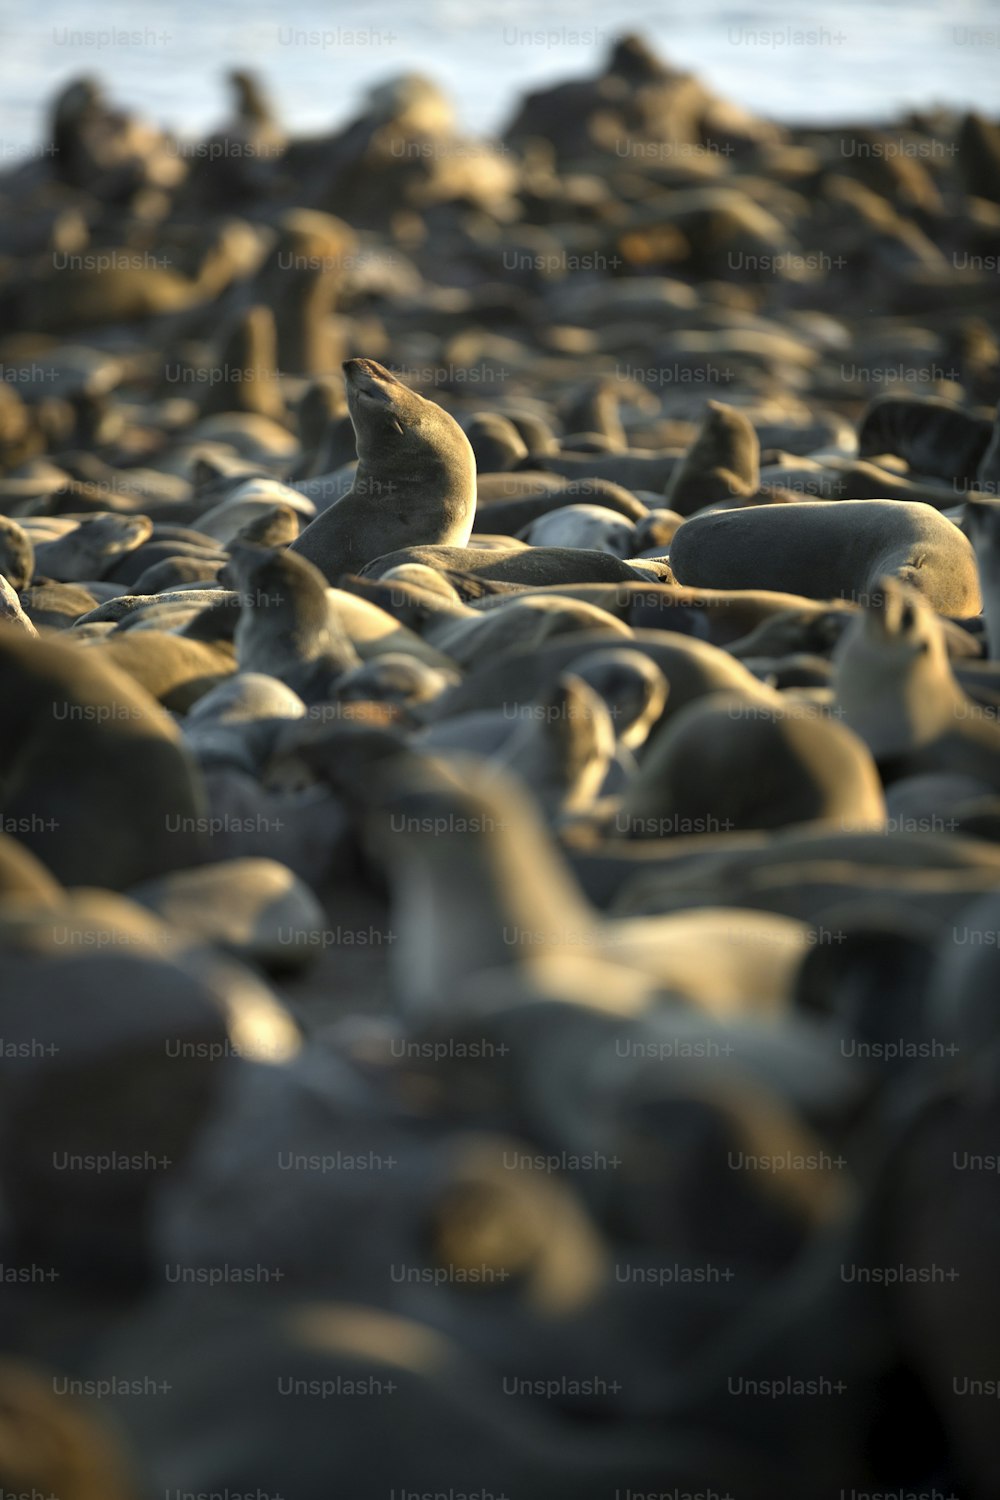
x,y
830,549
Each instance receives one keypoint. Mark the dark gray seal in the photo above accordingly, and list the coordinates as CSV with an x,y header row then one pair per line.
x,y
830,549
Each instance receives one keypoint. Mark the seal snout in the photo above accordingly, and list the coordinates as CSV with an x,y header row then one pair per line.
x,y
369,378
891,608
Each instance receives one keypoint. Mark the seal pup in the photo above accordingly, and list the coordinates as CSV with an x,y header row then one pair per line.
x,y
723,462
830,549
415,483
285,628
562,749
895,687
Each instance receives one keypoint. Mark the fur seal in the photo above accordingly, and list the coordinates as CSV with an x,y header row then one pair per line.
x,y
89,548
514,514
830,549
144,558
74,726
562,748
518,563
988,473
255,909
246,502
373,631
57,605
730,764
522,624
238,721
933,436
895,688
495,441
75,972
692,668
285,627
173,670
588,527
723,463
465,833
248,365
415,483
172,572
931,1207
422,601
632,686
129,289
326,437
798,871
396,677
721,616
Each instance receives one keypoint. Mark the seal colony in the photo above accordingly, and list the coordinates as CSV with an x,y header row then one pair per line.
x,y
500,791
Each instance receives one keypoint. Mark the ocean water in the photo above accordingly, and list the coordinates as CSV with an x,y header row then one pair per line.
x,y
859,59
